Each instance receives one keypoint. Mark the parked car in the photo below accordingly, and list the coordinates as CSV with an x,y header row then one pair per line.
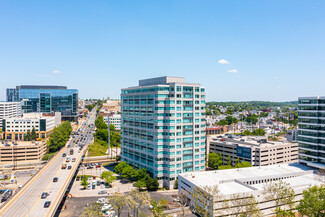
x,y
47,204
78,178
64,154
98,183
106,185
94,187
89,186
102,192
69,167
98,166
44,195
55,179
107,207
90,167
102,186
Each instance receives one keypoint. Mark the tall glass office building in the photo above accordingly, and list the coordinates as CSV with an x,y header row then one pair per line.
x,y
46,99
163,127
311,132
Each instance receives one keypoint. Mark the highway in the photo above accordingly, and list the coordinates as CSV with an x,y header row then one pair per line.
x,y
29,202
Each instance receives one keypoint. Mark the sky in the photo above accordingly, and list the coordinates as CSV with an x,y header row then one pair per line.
x,y
238,50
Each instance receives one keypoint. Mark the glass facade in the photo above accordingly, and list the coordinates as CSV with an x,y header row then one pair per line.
x,y
159,129
311,133
47,99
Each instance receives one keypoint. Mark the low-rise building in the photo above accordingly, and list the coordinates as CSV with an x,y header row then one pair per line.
x,y
21,151
215,130
256,150
16,128
236,184
114,119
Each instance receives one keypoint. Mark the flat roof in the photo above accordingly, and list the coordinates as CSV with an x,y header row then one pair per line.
x,y
19,143
249,141
231,181
40,87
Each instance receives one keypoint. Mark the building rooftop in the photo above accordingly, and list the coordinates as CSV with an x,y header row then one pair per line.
x,y
250,179
40,87
161,80
11,144
248,141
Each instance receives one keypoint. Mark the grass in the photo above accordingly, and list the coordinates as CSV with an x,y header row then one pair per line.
x,y
48,156
98,148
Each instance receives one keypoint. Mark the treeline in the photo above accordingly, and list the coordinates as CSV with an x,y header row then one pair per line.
x,y
215,162
142,178
59,137
256,103
102,132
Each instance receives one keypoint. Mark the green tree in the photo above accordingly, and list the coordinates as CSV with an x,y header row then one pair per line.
x,y
108,176
214,160
118,201
313,202
129,173
140,184
231,120
243,164
207,111
119,167
259,132
247,133
33,134
93,211
152,184
28,136
229,162
84,182
252,119
225,167
99,122
141,198
223,122
156,210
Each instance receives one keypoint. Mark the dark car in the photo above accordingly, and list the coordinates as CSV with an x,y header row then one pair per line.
x,y
78,178
94,187
55,179
64,154
68,146
106,185
98,183
102,192
69,167
47,204
44,195
90,167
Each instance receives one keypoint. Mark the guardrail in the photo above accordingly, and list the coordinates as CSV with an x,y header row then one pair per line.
x,y
14,197
53,209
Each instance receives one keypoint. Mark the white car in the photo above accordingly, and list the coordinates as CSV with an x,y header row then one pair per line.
x,y
106,207
110,213
101,200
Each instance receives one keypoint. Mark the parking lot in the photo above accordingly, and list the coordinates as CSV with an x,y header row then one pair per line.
x,y
118,185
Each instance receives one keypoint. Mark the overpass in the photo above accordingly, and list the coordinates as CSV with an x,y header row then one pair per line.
x,y
27,202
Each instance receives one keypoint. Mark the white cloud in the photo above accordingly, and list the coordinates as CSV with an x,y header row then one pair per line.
x,y
57,72
233,71
223,61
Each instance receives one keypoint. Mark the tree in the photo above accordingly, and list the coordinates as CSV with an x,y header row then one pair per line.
x,y
223,122
229,162
93,211
251,119
156,209
99,123
243,164
247,133
108,176
183,201
129,173
119,167
33,135
141,198
243,205
140,184
84,182
259,132
282,195
214,160
313,202
231,120
28,136
118,201
207,111
225,167
152,184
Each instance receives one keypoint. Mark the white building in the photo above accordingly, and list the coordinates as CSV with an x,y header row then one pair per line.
x,y
114,119
163,127
255,150
245,182
9,110
16,128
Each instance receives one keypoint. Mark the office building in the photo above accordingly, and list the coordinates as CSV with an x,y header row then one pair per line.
x,y
311,131
235,184
16,128
114,119
163,127
255,150
46,99
292,135
9,110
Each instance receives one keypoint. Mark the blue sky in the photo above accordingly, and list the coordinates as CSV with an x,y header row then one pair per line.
x,y
274,49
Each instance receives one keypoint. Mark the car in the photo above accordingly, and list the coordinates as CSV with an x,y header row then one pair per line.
x,y
55,179
64,154
78,178
102,192
98,166
89,186
44,195
110,213
69,167
102,186
73,159
94,177
94,187
68,146
90,167
98,183
106,207
106,185
47,204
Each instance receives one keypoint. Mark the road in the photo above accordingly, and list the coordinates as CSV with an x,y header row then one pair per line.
x,y
29,203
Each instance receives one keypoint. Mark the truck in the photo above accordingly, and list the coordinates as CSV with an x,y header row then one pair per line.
x,y
71,151
64,166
